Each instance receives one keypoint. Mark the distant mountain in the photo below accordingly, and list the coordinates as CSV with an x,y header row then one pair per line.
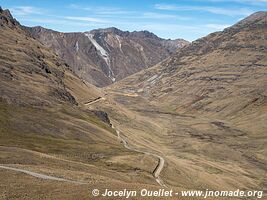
x,y
104,56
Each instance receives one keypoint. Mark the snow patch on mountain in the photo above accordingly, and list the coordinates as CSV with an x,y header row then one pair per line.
x,y
117,37
77,46
104,54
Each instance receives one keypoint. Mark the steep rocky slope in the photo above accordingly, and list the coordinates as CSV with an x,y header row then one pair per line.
x,y
205,107
104,56
46,128
223,73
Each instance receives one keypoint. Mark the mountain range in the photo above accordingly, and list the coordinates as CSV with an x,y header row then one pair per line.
x,y
165,114
104,56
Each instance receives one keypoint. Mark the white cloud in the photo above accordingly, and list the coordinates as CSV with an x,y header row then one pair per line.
x,y
39,21
177,27
214,10
101,10
25,10
119,13
237,1
154,15
246,2
169,27
182,31
87,19
217,26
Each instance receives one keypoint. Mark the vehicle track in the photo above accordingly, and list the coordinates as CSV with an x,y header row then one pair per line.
x,y
41,176
161,161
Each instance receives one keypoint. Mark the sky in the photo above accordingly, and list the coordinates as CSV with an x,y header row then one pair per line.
x,y
187,19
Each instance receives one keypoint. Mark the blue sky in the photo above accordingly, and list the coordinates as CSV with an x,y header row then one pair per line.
x,y
188,19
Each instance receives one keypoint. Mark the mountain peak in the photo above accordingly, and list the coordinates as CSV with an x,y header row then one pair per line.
x,y
257,18
144,33
5,13
6,19
112,29
109,30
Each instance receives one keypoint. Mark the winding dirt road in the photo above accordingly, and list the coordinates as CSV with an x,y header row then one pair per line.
x,y
156,171
41,176
161,161
94,101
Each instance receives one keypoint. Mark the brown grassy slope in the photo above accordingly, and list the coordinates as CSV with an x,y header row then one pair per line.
x,y
44,126
222,75
205,108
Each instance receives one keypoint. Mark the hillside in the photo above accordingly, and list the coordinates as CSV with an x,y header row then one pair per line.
x,y
222,74
52,143
104,56
194,121
205,107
